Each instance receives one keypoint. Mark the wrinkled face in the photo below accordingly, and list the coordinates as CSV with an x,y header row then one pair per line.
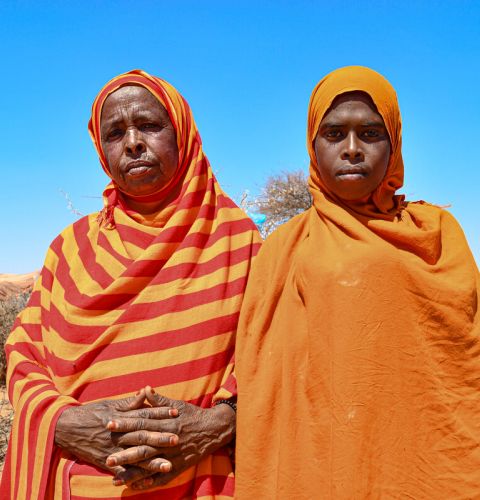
x,y
352,147
138,140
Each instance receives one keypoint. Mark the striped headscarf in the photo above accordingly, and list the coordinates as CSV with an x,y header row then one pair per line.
x,y
131,301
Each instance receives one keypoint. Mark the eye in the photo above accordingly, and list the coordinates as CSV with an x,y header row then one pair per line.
x,y
150,127
114,134
333,134
371,133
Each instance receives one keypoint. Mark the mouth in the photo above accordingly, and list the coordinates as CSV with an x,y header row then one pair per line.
x,y
352,173
138,168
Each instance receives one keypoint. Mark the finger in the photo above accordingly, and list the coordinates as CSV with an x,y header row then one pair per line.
x,y
138,424
129,475
178,465
157,464
158,400
158,479
155,439
158,413
132,402
131,455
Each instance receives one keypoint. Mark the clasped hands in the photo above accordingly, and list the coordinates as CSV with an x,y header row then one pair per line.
x,y
144,446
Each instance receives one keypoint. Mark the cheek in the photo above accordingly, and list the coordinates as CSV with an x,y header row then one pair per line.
x,y
112,156
326,159
381,157
165,149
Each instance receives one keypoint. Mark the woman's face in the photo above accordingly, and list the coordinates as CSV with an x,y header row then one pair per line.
x,y
138,140
352,147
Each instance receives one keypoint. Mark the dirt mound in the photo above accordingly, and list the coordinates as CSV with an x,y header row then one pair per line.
x,y
14,284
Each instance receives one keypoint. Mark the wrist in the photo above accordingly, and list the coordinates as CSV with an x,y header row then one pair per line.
x,y
223,419
63,427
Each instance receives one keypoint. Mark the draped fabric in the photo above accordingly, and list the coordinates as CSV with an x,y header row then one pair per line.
x,y
125,300
358,350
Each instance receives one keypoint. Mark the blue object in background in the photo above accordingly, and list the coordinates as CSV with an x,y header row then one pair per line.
x,y
259,219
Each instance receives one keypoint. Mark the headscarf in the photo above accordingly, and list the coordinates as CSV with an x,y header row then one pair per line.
x,y
358,347
188,138
139,300
383,202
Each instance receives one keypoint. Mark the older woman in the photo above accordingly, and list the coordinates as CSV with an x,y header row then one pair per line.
x,y
145,293
358,348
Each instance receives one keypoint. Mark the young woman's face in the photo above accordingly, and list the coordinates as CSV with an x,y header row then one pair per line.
x,y
352,147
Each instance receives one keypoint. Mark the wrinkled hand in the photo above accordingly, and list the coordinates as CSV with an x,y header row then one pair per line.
x,y
200,432
82,430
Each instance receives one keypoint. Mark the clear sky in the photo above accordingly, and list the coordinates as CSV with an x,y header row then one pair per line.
x,y
247,69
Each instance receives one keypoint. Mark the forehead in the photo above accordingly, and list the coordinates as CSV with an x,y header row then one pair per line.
x,y
130,98
352,106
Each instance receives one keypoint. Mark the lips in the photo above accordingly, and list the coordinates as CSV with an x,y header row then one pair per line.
x,y
352,172
138,167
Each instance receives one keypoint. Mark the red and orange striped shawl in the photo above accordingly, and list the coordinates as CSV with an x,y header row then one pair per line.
x,y
132,302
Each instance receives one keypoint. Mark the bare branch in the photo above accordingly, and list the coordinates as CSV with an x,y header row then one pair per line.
x,y
70,205
283,196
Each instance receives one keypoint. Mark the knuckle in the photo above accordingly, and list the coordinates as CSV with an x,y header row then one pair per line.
x,y
180,405
140,424
170,427
161,440
159,401
143,437
143,413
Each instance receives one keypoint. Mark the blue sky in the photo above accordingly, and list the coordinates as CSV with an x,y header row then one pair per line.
x,y
247,70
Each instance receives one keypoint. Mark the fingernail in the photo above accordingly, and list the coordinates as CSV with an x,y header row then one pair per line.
x,y
118,482
165,467
111,461
137,393
173,440
173,412
112,425
152,391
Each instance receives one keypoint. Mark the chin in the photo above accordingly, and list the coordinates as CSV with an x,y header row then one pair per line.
x,y
135,193
143,189
353,191
356,197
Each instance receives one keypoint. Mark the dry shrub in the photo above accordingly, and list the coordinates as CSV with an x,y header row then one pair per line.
x,y
6,420
283,196
9,309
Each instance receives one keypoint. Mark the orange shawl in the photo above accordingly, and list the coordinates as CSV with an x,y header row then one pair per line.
x,y
358,349
130,301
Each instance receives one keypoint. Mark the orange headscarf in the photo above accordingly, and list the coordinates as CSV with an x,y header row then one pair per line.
x,y
141,300
358,348
383,201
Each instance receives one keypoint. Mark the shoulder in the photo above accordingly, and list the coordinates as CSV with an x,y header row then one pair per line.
x,y
279,247
289,232
75,230
434,214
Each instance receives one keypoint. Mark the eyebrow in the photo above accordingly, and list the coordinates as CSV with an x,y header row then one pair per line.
x,y
144,115
373,124
339,125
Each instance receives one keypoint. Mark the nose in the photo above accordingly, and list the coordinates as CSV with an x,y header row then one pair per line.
x,y
134,144
352,149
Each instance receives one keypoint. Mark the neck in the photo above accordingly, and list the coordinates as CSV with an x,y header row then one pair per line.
x,y
151,207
